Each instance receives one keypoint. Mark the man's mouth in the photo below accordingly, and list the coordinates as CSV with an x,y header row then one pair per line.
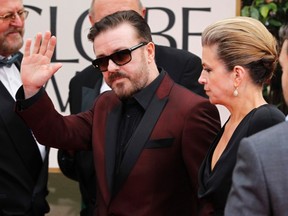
x,y
116,76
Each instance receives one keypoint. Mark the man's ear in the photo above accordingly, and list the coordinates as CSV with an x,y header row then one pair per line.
x,y
151,51
143,11
92,22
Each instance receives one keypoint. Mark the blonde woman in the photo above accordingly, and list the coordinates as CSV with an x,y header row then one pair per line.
x,y
239,55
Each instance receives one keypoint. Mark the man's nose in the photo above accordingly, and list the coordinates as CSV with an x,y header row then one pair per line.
x,y
112,66
17,21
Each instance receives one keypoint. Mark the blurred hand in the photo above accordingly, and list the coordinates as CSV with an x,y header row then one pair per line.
x,y
36,67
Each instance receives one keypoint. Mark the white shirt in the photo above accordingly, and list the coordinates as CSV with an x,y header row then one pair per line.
x,y
10,77
104,87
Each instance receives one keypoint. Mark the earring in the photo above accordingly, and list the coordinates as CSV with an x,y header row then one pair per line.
x,y
235,93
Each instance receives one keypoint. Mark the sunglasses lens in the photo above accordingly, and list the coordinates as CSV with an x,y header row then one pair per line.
x,y
122,57
101,63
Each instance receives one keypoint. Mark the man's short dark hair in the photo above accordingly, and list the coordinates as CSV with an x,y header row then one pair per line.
x,y
113,20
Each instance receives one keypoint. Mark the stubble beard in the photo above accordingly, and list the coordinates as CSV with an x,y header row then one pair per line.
x,y
126,90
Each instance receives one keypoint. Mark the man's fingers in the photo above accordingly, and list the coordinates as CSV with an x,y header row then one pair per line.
x,y
56,67
37,43
27,47
51,47
44,43
44,46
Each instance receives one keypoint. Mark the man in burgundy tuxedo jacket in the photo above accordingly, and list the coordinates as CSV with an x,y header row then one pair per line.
x,y
182,66
149,135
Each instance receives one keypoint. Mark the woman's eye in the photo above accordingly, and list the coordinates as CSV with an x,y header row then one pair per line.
x,y
207,70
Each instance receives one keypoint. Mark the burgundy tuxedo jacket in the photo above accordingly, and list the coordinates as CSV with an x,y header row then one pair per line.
x,y
158,174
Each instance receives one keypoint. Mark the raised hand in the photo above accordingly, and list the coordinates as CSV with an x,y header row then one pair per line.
x,y
36,67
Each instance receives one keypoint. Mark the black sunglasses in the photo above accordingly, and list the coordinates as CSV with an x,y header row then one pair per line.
x,y
120,58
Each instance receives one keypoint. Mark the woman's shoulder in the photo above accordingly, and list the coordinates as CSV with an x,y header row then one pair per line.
x,y
268,111
264,117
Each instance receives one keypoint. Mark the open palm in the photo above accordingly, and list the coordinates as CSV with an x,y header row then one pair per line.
x,y
36,67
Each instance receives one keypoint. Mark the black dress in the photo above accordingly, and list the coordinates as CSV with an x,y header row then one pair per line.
x,y
215,185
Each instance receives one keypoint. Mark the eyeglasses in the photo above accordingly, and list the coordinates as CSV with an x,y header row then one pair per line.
x,y
23,14
120,58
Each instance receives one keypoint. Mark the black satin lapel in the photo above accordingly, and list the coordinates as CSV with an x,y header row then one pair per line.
x,y
138,140
19,133
111,143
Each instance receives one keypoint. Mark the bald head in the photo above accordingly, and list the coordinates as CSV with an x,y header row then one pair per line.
x,y
102,8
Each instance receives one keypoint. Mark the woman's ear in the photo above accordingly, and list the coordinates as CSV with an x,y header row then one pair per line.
x,y
238,74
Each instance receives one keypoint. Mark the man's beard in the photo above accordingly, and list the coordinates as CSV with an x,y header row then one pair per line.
x,y
124,90
9,46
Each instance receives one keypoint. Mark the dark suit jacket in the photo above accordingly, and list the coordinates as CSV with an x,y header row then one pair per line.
x,y
260,176
183,67
158,175
21,165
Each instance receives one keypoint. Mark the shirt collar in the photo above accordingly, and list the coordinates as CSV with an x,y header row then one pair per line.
x,y
2,57
145,95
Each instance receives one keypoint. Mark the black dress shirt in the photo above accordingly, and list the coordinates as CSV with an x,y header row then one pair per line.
x,y
133,111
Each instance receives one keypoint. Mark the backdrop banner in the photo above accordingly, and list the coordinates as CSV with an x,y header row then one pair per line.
x,y
176,23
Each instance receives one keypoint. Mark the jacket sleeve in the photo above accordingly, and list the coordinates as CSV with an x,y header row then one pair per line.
x,y
248,195
200,130
72,132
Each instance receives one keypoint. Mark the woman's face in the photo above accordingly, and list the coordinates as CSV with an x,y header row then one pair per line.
x,y
283,59
217,80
